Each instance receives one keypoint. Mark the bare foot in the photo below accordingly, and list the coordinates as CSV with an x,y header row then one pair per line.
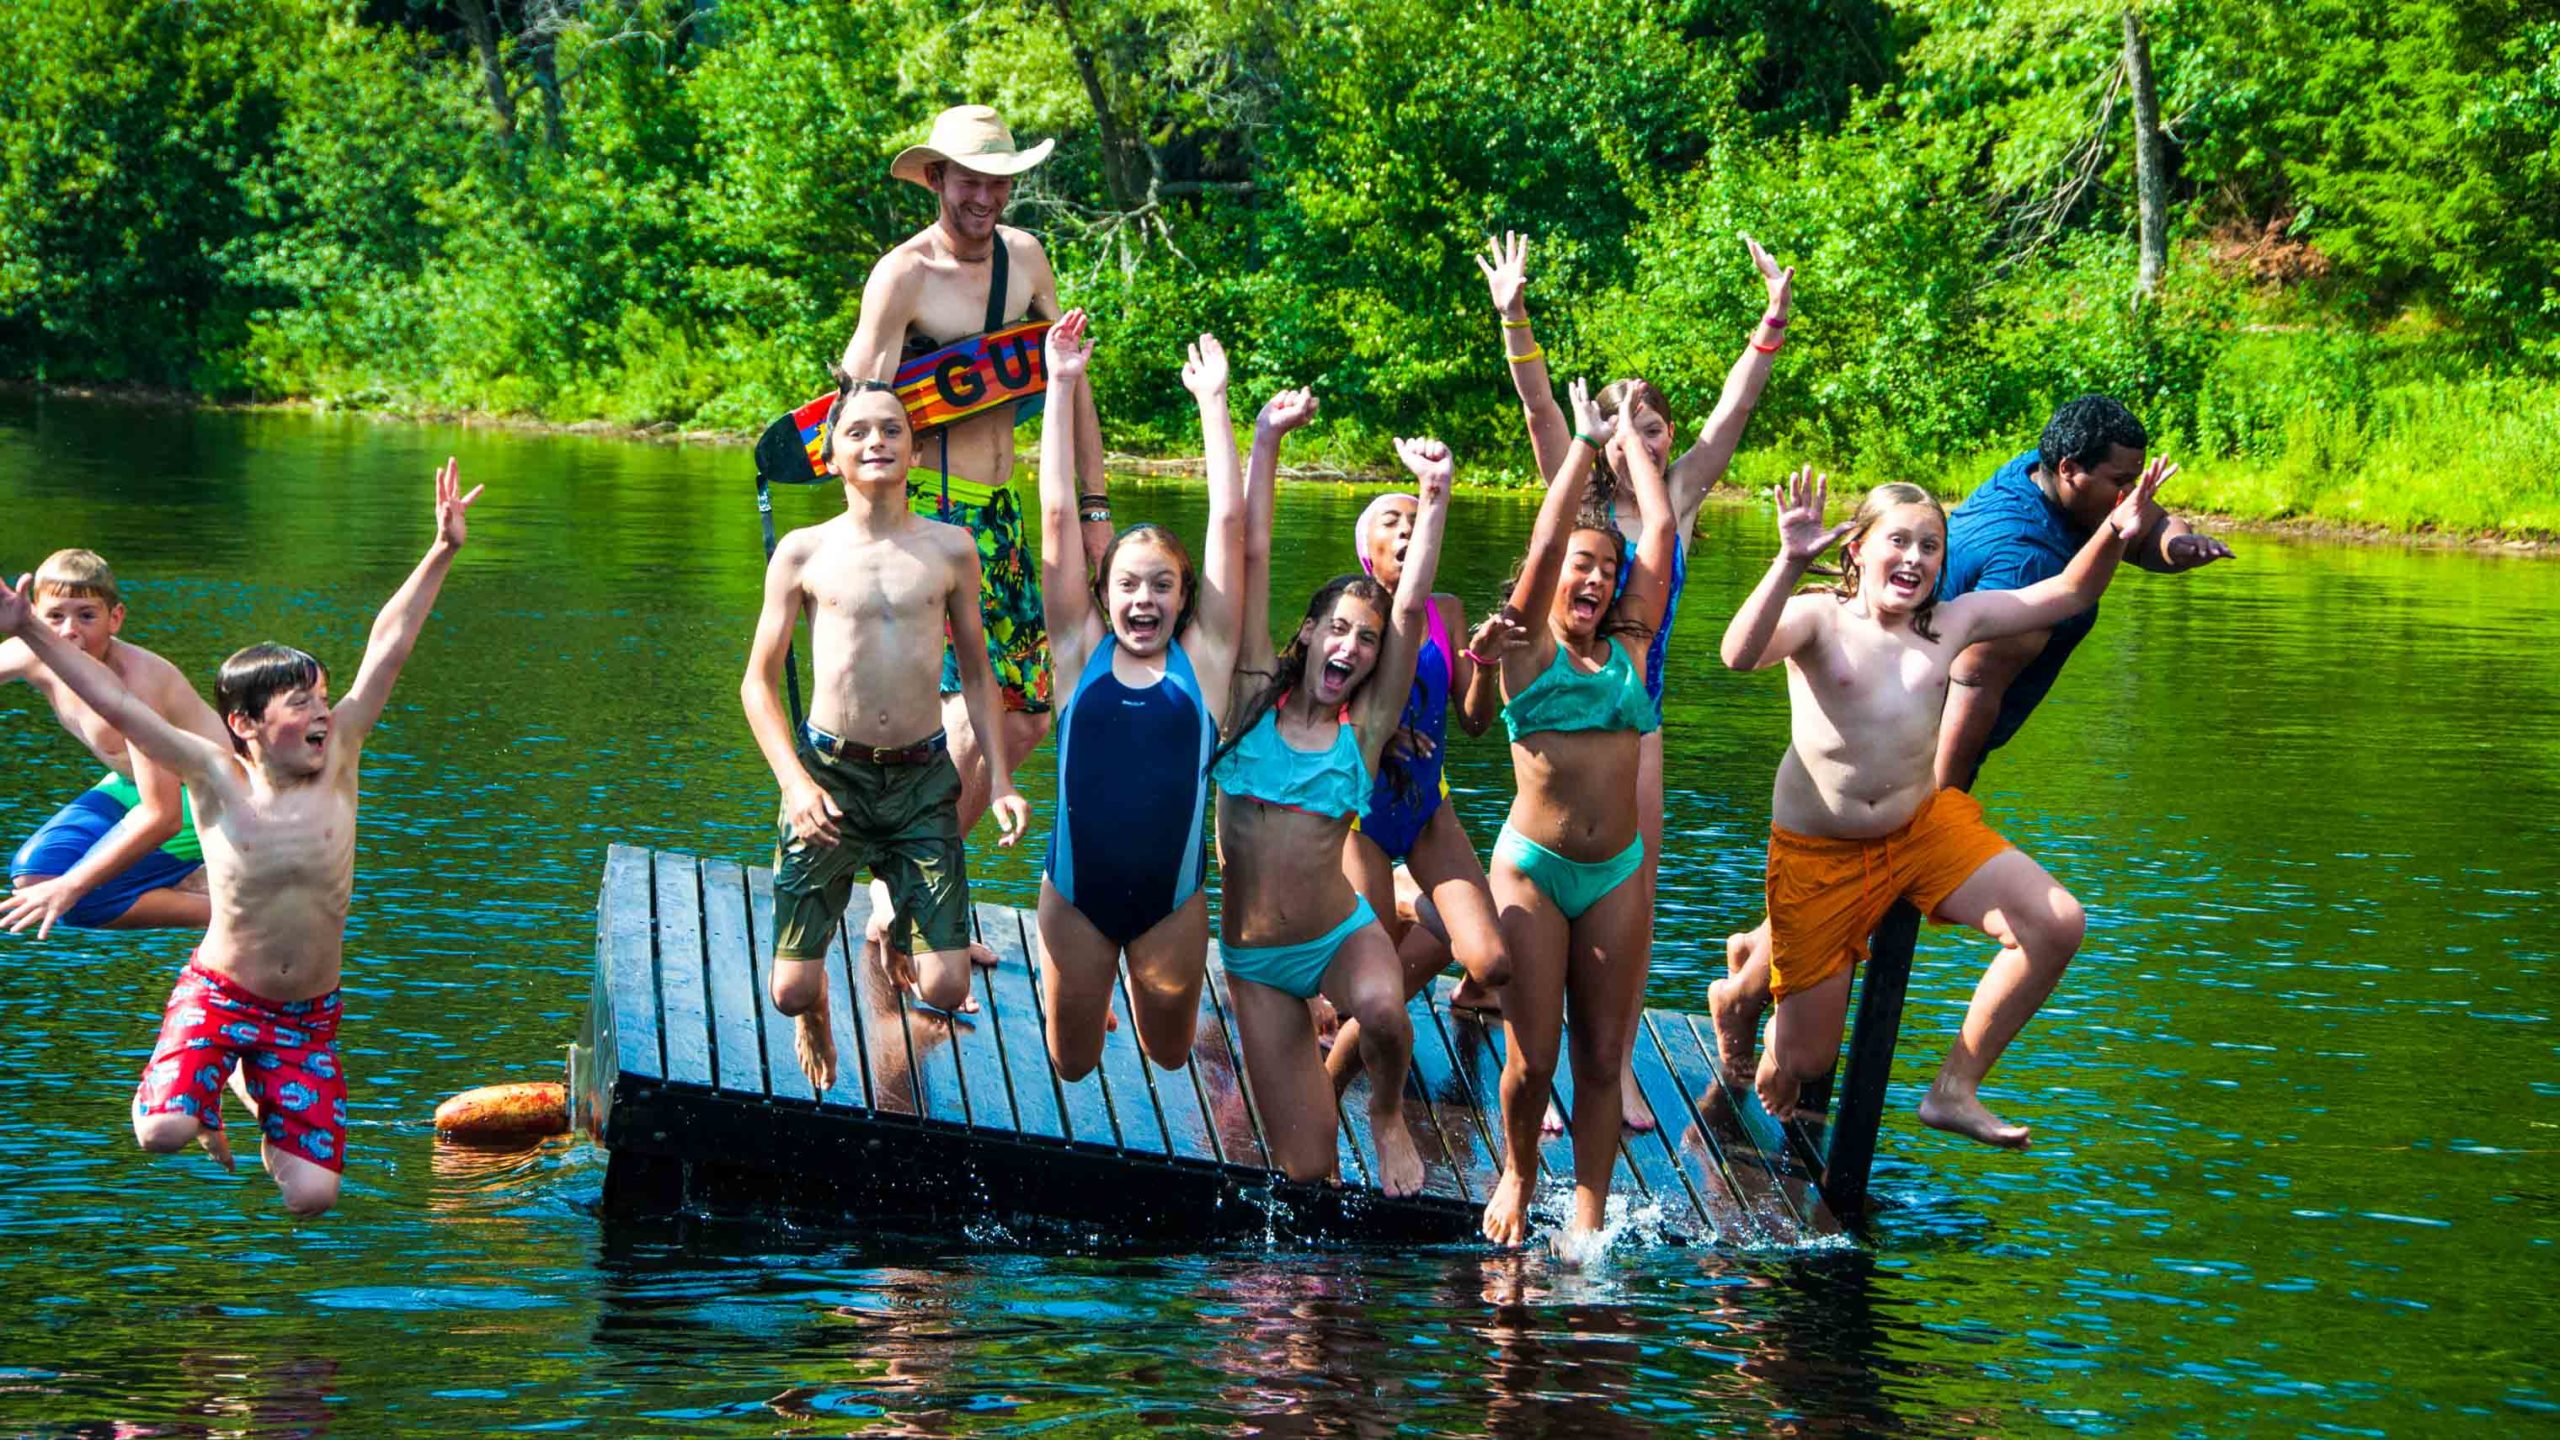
x,y
1471,996
1399,1160
982,957
1963,1113
815,1041
1506,1215
1777,1086
1631,1107
1737,1018
1578,1245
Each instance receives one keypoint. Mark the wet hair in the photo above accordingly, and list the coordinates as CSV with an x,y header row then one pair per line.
x,y
1595,519
77,575
258,674
1612,400
2085,430
1148,532
1882,498
1290,667
847,387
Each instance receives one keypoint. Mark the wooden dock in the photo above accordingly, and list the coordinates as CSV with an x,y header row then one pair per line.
x,y
689,1081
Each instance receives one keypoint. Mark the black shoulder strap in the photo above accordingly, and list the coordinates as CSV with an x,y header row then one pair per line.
x,y
999,284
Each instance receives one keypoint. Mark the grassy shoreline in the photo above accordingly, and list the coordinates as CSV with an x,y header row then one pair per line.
x,y
2286,494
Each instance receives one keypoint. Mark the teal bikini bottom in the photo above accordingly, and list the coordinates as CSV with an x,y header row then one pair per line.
x,y
1575,885
1295,969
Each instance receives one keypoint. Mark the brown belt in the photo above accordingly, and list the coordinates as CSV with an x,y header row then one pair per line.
x,y
846,752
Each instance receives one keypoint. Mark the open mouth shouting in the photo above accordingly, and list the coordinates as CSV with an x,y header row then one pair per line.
x,y
1141,627
1333,679
1907,582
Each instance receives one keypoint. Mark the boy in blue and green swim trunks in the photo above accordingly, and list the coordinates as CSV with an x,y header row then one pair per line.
x,y
123,854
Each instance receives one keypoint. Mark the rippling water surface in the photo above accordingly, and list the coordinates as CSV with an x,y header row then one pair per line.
x,y
2294,1162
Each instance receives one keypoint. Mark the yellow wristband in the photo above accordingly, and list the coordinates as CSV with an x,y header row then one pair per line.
x,y
1520,324
1534,352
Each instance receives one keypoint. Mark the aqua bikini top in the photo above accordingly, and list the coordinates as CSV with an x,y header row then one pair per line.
x,y
1565,697
1331,782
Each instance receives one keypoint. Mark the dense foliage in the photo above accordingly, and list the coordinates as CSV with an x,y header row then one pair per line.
x,y
662,210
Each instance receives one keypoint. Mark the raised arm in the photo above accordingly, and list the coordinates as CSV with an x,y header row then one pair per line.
x,y
1505,264
1697,469
1281,414
1480,691
1204,374
1768,629
1991,614
1066,587
1648,590
881,331
1535,593
1093,483
194,758
395,630
1409,618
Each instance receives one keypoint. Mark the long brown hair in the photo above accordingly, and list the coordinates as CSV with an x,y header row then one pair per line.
x,y
1289,668
1882,498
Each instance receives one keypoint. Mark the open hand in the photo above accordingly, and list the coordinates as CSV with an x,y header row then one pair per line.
x,y
1204,374
39,903
1587,419
1801,537
1430,463
17,608
1013,816
1505,263
2190,550
1286,411
451,505
1070,349
1408,744
1781,282
2133,513
812,814
1498,635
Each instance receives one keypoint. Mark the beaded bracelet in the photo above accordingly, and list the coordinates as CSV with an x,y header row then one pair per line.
x,y
1534,352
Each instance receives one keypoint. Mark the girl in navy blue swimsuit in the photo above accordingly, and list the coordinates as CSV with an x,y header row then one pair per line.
x,y
1147,650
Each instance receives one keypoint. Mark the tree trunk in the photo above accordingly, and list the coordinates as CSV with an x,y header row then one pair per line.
x,y
2150,160
1116,149
483,29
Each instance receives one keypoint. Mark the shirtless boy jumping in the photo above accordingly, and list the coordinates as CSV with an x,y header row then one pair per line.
x,y
121,855
276,814
869,781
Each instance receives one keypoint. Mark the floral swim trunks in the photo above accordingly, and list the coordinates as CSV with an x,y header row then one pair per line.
x,y
289,1050
1009,584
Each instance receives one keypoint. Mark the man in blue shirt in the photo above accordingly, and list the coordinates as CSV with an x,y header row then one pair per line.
x,y
2022,525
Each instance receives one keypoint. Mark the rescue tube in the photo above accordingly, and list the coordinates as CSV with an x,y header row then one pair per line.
x,y
505,1112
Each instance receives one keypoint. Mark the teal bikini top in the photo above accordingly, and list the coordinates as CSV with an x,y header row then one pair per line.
x,y
1564,697
1332,782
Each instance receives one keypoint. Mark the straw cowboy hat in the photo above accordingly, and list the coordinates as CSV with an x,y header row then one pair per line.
x,y
972,137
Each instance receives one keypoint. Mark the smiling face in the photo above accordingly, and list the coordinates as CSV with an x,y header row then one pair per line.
x,y
873,443
1589,583
1342,648
1143,594
290,736
1389,531
1898,558
85,620
971,203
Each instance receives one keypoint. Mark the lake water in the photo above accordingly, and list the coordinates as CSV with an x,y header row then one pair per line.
x,y
2294,1105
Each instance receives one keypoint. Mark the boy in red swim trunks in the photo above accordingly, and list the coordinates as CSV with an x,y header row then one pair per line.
x,y
276,813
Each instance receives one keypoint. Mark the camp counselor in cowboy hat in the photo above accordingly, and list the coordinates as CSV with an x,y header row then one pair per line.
x,y
972,137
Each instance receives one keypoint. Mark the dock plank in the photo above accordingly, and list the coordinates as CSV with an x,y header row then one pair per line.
x,y
737,1046
1796,1179
1123,1073
1186,1128
974,1045
684,1007
1087,1108
628,922
1475,1044
871,1039
781,1061
1014,1018
1691,1180
1473,1147
1217,1065
1773,1218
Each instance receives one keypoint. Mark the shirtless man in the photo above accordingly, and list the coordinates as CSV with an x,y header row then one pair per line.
x,y
869,782
939,286
122,855
276,814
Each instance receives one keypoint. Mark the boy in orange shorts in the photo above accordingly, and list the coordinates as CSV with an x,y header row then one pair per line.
x,y
1856,818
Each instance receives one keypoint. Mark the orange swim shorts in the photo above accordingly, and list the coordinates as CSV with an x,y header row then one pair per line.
x,y
1826,895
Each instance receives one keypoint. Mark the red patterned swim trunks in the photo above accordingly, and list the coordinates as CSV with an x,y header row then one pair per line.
x,y
289,1051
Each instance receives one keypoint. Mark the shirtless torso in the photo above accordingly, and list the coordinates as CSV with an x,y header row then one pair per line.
x,y
927,293
879,596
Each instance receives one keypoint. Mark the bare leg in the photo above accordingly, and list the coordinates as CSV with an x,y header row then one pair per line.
x,y
1288,1080
1078,966
309,1189
1535,934
1367,986
1804,1041
1737,1000
1167,966
941,980
2038,926
1637,1115
1611,950
1458,898
1023,732
800,991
